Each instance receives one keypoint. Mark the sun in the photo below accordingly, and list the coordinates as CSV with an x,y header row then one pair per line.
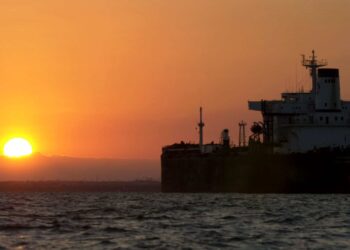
x,y
17,147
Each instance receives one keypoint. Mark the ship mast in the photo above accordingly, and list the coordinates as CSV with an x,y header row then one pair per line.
x,y
200,125
242,138
313,64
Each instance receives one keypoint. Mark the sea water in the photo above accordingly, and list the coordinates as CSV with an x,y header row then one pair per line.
x,y
156,220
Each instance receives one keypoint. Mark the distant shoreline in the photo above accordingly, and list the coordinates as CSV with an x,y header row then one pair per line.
x,y
81,186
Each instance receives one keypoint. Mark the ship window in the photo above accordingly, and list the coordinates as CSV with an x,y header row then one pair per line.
x,y
325,104
327,120
342,118
336,118
321,118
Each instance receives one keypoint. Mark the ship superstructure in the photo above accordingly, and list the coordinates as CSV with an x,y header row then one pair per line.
x,y
305,146
302,122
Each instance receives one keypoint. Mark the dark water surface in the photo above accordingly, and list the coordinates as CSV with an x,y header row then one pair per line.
x,y
155,220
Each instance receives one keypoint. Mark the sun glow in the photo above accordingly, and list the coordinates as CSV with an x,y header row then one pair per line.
x,y
17,147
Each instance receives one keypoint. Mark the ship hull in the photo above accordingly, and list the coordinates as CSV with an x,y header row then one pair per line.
x,y
322,172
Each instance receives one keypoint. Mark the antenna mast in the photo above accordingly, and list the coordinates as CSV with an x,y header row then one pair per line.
x,y
201,126
313,64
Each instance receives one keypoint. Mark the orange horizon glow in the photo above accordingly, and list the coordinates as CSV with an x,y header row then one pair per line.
x,y
121,79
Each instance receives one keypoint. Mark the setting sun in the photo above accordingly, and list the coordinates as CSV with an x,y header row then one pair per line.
x,y
17,147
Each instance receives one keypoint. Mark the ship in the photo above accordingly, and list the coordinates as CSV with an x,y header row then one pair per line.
x,y
301,145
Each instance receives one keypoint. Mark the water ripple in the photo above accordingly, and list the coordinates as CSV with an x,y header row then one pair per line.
x,y
155,220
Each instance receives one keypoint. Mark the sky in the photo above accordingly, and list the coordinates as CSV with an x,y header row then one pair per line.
x,y
121,78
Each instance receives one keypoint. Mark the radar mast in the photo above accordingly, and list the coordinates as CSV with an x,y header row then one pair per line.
x,y
313,64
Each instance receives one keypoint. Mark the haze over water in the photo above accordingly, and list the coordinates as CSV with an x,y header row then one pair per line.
x,y
155,220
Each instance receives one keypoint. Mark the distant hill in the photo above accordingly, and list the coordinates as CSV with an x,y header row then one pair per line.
x,y
41,168
80,186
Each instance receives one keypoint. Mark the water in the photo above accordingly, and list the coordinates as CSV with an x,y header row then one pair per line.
x,y
155,220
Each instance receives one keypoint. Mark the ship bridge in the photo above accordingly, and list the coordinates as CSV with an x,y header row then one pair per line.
x,y
291,103
305,121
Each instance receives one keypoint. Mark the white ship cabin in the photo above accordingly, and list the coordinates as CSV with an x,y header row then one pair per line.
x,y
302,122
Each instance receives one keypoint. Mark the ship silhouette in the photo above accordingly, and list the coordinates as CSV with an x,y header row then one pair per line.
x,y
302,145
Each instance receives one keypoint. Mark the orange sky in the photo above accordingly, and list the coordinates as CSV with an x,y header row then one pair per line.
x,y
114,78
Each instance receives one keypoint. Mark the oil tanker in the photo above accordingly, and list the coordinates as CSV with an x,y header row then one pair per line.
x,y
301,145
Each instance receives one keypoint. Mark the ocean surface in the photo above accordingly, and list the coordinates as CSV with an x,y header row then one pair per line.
x,y
191,221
